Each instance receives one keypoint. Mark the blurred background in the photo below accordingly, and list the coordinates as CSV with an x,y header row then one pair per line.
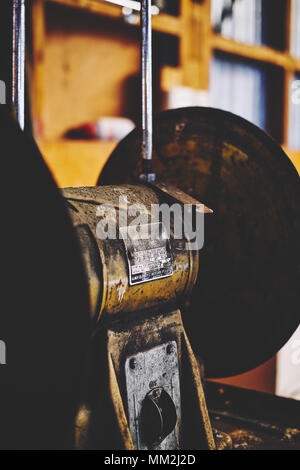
x,y
83,74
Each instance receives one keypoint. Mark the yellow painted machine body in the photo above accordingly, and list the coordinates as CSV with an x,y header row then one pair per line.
x,y
107,261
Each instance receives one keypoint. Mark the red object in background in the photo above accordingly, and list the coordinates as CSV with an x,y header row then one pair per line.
x,y
107,128
262,378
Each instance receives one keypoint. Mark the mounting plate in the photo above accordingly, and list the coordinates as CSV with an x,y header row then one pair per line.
x,y
146,371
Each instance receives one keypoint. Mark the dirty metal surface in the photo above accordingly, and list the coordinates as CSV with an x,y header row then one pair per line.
x,y
246,301
145,371
180,196
103,421
254,420
127,276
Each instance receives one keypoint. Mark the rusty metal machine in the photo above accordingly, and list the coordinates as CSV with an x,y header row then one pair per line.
x,y
144,390
109,338
245,303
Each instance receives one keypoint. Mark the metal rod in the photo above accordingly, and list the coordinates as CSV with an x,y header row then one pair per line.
x,y
18,72
146,53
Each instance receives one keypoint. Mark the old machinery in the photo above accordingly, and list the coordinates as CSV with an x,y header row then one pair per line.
x,y
246,278
142,386
247,291
96,277
146,392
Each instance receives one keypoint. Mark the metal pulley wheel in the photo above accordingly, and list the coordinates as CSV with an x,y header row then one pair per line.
x,y
246,301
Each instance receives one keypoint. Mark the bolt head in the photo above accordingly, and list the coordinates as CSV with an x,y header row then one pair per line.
x,y
132,363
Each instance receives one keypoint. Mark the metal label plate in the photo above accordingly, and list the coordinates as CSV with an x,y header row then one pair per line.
x,y
148,259
157,367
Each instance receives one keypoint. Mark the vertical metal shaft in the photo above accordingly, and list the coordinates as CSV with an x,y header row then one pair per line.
x,y
18,72
146,55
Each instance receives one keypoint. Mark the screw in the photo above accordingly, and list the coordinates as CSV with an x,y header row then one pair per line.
x,y
132,363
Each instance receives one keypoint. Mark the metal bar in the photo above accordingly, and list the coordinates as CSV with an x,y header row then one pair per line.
x,y
132,5
146,59
18,72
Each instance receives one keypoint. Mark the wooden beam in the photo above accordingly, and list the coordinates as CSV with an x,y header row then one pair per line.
x,y
195,46
162,22
170,77
258,53
37,71
185,43
201,44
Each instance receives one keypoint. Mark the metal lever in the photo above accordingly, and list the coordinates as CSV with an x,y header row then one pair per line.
x,y
18,72
146,62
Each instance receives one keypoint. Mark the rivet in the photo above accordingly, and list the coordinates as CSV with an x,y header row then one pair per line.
x,y
132,363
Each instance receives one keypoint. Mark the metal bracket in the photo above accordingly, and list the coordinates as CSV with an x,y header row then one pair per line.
x,y
151,371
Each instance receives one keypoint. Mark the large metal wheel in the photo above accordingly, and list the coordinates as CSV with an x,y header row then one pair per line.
x,y
246,302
